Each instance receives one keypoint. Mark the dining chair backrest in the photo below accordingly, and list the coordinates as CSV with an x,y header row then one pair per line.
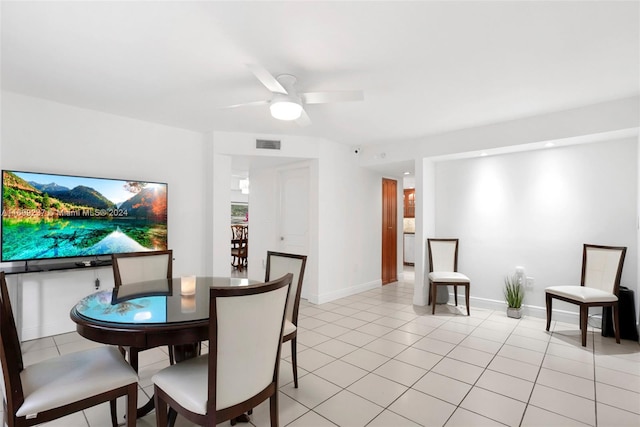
x,y
10,352
602,267
245,332
280,263
239,232
443,255
141,266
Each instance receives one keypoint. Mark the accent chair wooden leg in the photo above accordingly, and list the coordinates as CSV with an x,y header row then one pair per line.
x,y
434,290
466,298
455,294
616,322
549,304
429,294
584,315
294,360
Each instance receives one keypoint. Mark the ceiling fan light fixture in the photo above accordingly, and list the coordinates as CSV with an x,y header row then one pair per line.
x,y
286,110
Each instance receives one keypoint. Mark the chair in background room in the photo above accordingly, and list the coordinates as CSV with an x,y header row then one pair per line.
x,y
239,246
240,370
279,263
599,285
139,267
443,270
60,386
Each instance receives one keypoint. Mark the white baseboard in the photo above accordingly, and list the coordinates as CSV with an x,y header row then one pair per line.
x,y
528,310
46,330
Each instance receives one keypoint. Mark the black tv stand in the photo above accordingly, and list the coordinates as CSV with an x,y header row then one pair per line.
x,y
39,268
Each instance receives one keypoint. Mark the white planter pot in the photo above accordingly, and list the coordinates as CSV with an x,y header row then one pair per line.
x,y
515,313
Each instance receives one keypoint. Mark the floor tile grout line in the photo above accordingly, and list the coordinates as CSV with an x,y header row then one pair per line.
x,y
563,391
595,379
528,403
480,376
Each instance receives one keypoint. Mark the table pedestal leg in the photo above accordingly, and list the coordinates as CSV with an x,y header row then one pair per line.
x,y
186,351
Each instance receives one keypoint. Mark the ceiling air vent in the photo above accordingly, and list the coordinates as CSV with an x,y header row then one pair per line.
x,y
268,144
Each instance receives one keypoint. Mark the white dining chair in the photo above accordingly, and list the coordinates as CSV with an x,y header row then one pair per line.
x,y
443,270
56,387
599,285
278,264
240,370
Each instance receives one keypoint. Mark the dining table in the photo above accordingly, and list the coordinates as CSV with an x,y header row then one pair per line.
x,y
164,312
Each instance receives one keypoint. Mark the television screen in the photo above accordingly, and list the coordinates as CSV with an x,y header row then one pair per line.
x,y
47,216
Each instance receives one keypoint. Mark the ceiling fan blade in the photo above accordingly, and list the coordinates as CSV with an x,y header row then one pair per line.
x,y
247,104
304,119
267,79
334,96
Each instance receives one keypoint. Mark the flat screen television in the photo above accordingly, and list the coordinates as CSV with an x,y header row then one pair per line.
x,y
50,216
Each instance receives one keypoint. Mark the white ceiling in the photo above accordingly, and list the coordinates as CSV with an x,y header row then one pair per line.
x,y
424,67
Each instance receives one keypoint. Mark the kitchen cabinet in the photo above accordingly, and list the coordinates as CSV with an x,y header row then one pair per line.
x,y
409,203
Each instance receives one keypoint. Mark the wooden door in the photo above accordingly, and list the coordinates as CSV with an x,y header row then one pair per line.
x,y
389,231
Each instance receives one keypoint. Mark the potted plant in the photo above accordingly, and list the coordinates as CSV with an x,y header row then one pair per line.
x,y
514,294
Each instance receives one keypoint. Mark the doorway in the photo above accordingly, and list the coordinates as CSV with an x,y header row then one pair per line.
x,y
389,231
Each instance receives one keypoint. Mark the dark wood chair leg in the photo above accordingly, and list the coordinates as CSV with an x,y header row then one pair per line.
x,y
549,304
429,293
434,289
273,409
172,417
294,361
132,404
455,294
584,315
114,415
466,298
161,410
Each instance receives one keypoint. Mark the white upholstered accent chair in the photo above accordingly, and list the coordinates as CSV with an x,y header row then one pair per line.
x,y
135,267
240,370
60,386
278,264
599,285
443,270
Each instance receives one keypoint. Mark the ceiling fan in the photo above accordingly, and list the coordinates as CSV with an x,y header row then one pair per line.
x,y
286,103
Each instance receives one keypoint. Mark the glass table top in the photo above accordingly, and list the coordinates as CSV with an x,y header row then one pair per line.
x,y
155,302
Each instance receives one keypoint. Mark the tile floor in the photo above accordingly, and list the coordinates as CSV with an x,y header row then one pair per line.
x,y
374,359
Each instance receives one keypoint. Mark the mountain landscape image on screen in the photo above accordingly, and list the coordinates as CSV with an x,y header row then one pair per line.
x,y
53,216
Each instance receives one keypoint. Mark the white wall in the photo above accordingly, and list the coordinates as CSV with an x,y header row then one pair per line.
x,y
42,136
536,209
350,217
